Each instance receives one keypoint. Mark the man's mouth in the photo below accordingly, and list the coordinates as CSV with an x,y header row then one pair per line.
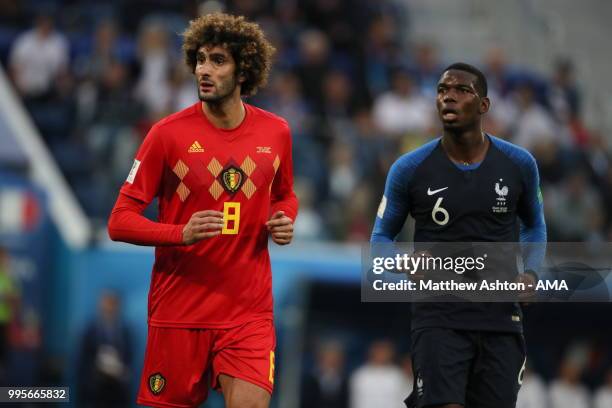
x,y
449,114
206,86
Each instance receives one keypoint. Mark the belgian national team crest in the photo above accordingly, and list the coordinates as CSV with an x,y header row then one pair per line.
x,y
232,179
156,383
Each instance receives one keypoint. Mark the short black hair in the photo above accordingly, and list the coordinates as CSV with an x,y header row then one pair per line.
x,y
481,81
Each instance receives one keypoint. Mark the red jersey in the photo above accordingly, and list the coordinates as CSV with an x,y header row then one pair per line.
x,y
246,173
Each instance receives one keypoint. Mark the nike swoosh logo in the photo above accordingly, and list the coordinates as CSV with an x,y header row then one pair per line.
x,y
432,192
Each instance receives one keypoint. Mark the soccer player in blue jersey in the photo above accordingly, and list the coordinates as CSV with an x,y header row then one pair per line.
x,y
466,354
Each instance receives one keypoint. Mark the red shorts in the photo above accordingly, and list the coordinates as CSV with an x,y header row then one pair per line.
x,y
180,364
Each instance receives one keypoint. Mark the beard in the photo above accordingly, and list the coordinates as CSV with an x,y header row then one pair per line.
x,y
222,90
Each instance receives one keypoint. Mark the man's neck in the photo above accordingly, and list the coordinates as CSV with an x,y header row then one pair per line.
x,y
226,114
465,147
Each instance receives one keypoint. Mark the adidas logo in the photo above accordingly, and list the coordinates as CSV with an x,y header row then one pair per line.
x,y
195,148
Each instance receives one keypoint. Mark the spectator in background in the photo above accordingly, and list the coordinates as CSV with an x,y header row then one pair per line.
x,y
403,110
575,208
379,382
105,358
314,63
335,18
533,124
563,96
181,92
499,75
603,396
567,391
110,135
309,225
358,209
39,60
155,59
91,66
427,68
374,152
326,386
339,102
381,52
533,393
599,162
286,100
344,172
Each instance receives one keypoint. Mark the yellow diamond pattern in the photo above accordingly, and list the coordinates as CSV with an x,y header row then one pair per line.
x,y
276,163
215,167
216,189
248,166
248,188
180,169
182,191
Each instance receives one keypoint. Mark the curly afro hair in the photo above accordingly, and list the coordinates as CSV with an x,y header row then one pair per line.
x,y
244,40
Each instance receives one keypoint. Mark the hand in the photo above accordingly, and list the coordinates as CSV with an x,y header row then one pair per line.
x,y
281,228
529,292
419,274
201,225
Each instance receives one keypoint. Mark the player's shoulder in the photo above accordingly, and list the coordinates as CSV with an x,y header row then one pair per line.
x,y
416,157
174,118
268,118
517,154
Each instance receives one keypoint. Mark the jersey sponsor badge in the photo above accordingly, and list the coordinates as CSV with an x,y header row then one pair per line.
x,y
431,192
501,206
264,149
232,178
133,171
156,383
195,147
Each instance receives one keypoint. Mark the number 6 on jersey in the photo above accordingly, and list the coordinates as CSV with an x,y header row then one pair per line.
x,y
231,218
439,210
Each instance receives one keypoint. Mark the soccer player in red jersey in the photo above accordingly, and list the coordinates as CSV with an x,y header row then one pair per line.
x,y
222,171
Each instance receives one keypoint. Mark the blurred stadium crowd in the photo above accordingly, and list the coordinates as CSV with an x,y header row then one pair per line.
x,y
385,379
357,91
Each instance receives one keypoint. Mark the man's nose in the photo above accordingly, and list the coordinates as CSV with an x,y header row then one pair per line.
x,y
204,68
449,96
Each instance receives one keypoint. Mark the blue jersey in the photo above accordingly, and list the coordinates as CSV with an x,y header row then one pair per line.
x,y
496,200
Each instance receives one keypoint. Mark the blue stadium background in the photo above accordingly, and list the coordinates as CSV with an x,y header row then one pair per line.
x,y
355,80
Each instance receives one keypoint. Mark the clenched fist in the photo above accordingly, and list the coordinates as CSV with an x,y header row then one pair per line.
x,y
281,228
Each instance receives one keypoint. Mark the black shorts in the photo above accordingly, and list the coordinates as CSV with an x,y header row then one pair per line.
x,y
472,368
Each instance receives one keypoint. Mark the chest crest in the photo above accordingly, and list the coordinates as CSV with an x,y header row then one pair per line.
x,y
221,175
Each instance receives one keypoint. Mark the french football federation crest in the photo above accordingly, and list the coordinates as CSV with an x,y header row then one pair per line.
x,y
156,383
232,178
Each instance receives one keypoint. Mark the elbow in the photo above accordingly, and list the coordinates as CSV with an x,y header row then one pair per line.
x,y
111,228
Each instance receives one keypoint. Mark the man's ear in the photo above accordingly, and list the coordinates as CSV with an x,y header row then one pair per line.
x,y
241,78
485,104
